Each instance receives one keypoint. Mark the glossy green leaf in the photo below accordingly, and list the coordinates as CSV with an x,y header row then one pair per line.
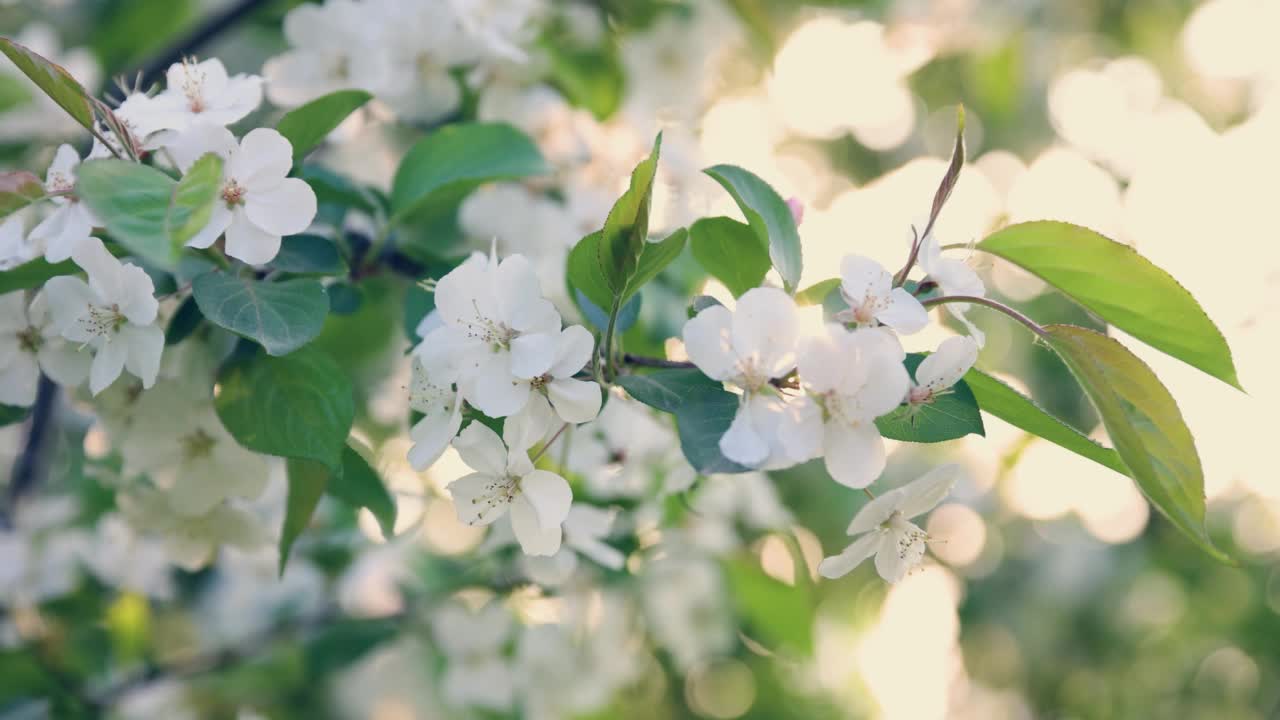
x,y
132,200
17,190
599,318
583,273
192,202
775,613
592,78
279,316
1022,412
768,215
358,485
307,482
10,414
1120,286
297,406
33,274
626,229
184,322
730,252
1144,422
309,255
950,416
53,80
307,125
703,409
446,164
816,293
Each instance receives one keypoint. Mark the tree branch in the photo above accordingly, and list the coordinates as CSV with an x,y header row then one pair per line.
x,y
29,466
215,25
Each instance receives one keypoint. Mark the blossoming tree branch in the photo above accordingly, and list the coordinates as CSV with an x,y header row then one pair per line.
x,y
181,272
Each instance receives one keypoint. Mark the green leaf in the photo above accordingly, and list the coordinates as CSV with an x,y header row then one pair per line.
x,y
279,316
334,189
950,416
17,190
358,485
310,255
816,293
592,78
768,215
344,298
1022,412
703,410
780,615
307,482
654,258
297,406
1120,286
192,202
730,252
14,92
598,318
626,229
584,274
53,80
184,322
1143,421
306,126
33,274
450,162
132,200
10,414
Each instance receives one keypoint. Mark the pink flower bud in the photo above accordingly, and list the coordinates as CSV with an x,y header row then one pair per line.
x,y
797,209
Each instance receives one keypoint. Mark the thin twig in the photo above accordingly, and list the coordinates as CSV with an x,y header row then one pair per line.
x,y
28,468
994,305
641,361
547,445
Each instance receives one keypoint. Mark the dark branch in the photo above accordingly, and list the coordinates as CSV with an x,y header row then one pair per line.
x,y
30,465
197,38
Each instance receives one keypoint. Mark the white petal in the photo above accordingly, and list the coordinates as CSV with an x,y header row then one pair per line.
x,y
262,161
286,209
482,450
923,495
742,442
528,427
533,355
840,565
63,363
145,345
575,401
197,141
69,299
600,552
519,294
107,365
887,384
948,364
854,455
904,313
534,538
764,327
489,385
102,267
136,299
248,242
219,220
707,341
474,498
431,435
464,295
802,431
549,494
862,278
573,351
18,380
891,559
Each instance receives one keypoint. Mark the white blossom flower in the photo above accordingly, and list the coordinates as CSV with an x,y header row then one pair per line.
x,y
628,452
425,40
885,529
191,540
851,378
748,347
337,45
954,277
14,248
203,93
114,313
432,392
503,334
942,369
71,221
868,289
29,345
477,673
504,480
498,29
186,451
259,203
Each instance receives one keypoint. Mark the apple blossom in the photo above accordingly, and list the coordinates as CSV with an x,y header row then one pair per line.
x,y
336,45
71,221
192,541
203,93
954,277
114,313
942,369
476,673
258,203
885,529
30,345
505,479
432,393
748,347
851,378
868,289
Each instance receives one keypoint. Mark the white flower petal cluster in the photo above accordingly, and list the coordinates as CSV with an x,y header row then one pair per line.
x,y
942,369
71,221
884,527
954,277
192,541
199,93
114,313
30,344
477,673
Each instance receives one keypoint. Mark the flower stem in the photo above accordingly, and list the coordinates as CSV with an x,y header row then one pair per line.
x,y
994,305
641,361
610,370
547,445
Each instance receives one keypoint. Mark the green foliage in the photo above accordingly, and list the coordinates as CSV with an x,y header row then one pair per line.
x,y
308,255
307,482
130,30
1143,421
185,320
816,293
1120,286
358,485
768,215
626,230
280,316
306,126
778,614
17,190
297,406
584,274
730,252
10,414
588,77
192,202
1022,412
703,409
132,200
447,164
950,416
33,274
53,80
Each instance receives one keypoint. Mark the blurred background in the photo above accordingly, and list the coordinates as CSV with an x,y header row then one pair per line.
x,y
1054,591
